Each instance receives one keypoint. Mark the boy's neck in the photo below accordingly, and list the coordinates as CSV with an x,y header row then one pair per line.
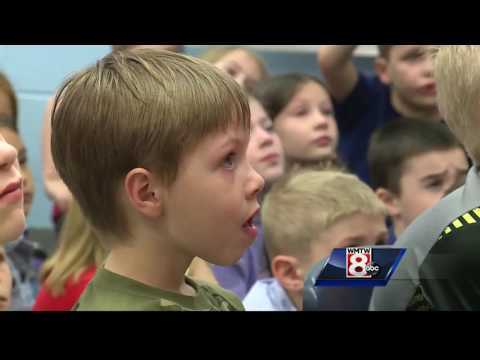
x,y
295,299
152,263
411,112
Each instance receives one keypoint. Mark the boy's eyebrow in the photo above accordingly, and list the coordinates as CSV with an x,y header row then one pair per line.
x,y
433,176
443,173
232,140
352,241
415,49
358,239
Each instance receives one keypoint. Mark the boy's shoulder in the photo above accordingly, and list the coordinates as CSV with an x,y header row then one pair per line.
x,y
268,295
111,292
450,274
222,298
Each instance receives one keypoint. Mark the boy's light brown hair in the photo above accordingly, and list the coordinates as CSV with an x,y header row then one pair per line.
x,y
122,47
457,74
142,108
304,204
178,48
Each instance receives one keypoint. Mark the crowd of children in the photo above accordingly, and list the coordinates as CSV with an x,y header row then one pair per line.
x,y
210,184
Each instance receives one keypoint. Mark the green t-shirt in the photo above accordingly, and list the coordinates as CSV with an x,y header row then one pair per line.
x,y
112,292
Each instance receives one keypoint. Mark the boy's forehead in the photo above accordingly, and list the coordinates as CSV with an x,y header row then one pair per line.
x,y
353,226
220,140
403,49
434,164
234,135
355,230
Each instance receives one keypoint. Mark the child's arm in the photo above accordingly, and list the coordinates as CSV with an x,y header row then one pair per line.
x,y
338,69
54,186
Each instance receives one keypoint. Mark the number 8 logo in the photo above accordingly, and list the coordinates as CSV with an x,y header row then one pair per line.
x,y
358,264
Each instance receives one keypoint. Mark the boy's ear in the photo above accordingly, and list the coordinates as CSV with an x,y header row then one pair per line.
x,y
286,269
143,192
390,200
381,68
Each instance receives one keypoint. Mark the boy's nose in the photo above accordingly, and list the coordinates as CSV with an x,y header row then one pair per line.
x,y
256,184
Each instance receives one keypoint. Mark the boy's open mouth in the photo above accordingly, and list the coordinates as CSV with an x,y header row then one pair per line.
x,y
249,222
249,227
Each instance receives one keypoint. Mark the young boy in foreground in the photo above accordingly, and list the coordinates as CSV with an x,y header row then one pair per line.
x,y
152,145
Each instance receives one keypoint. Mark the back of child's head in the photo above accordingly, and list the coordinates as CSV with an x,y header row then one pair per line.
x,y
277,92
399,141
78,249
8,99
457,73
139,108
333,163
306,203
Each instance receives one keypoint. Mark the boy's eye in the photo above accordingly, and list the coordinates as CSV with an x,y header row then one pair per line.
x,y
435,184
415,55
229,161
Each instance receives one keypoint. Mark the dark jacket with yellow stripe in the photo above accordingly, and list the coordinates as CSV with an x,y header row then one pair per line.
x,y
450,274
421,239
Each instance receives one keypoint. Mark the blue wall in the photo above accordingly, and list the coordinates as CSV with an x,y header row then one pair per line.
x,y
37,70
